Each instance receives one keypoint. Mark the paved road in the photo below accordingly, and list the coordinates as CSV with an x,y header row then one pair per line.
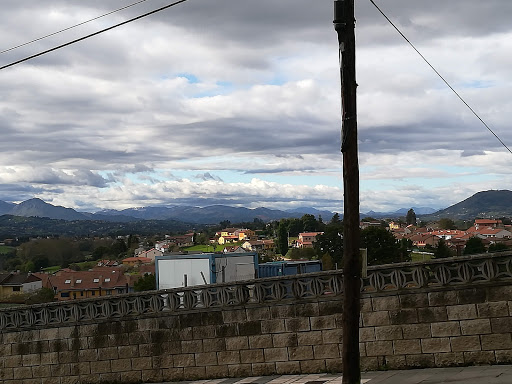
x,y
497,374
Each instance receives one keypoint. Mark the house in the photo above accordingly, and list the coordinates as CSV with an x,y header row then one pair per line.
x,y
69,284
136,261
151,254
306,239
233,249
490,223
366,224
18,283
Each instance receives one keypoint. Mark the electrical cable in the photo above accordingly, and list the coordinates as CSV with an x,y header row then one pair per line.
x,y
441,77
68,28
90,35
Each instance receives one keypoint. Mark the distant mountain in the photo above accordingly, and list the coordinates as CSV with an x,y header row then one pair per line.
x,y
326,215
38,208
398,213
5,207
211,214
486,204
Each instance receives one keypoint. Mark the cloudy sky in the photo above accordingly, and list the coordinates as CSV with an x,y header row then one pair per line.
x,y
238,102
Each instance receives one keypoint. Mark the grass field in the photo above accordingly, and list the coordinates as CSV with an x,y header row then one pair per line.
x,y
420,256
209,248
5,249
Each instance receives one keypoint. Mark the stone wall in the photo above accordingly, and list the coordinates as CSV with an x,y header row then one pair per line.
x,y
291,338
437,328
434,314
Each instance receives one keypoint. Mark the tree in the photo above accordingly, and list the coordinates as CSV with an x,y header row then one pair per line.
x,y
411,217
282,238
498,247
474,245
331,242
445,223
145,283
442,250
309,223
405,249
381,244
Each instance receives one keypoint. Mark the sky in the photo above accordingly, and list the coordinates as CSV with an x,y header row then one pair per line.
x,y
238,103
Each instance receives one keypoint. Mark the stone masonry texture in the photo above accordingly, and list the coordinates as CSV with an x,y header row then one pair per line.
x,y
399,329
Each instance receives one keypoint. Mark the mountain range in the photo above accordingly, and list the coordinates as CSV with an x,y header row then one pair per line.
x,y
494,203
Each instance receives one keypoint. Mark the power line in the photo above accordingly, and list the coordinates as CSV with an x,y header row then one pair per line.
x,y
68,28
90,35
441,77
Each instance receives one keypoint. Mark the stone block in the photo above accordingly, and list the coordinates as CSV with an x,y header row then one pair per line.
x,y
206,358
297,325
48,358
388,332
227,330
304,352
369,363
97,367
249,328
172,374
442,298
465,343
461,312
420,361
379,348
395,362
328,351
404,347
15,361
236,343
416,331
366,305
65,369
324,308
104,378
142,363
503,357
446,328
471,296
375,318
234,316
362,349
475,327
330,336
432,314
214,345
449,359
6,374
131,376
284,340
322,322
282,311
499,293
192,346
496,341
479,358
493,309
287,368
228,357
436,345
258,313
193,373
212,317
413,300
260,341
309,338
204,332
385,303
67,380
31,360
40,371
84,368
240,370
184,360
333,365
263,369
312,366
275,354
187,320
109,353
125,351
272,326
216,371
404,316
252,356
501,324
367,334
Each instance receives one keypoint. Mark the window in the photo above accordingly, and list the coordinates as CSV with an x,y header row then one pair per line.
x,y
78,281
107,280
93,293
64,294
16,289
96,281
67,282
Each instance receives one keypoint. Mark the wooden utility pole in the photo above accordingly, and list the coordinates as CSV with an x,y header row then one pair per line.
x,y
344,24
